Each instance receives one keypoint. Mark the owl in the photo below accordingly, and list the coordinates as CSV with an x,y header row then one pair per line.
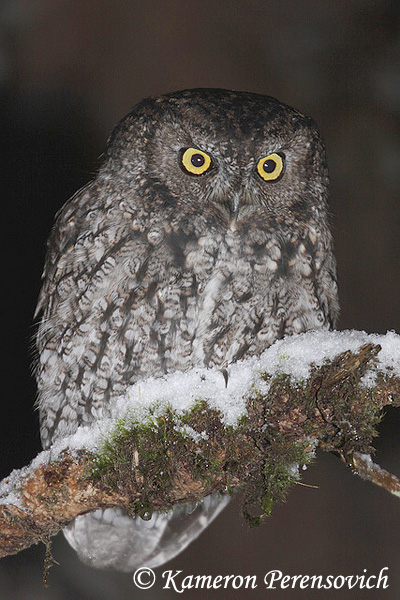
x,y
203,239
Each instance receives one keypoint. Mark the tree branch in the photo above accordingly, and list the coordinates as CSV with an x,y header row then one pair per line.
x,y
175,457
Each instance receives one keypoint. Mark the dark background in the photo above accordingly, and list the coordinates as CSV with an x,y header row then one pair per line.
x,y
69,70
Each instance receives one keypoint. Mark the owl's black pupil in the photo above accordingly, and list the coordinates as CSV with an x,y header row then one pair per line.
x,y
269,166
197,160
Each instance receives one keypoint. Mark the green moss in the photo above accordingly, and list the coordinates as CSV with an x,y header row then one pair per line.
x,y
154,452
262,453
282,459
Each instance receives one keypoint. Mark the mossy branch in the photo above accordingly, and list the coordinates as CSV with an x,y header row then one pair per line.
x,y
174,458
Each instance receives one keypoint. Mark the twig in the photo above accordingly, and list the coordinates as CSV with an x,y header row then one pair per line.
x,y
364,466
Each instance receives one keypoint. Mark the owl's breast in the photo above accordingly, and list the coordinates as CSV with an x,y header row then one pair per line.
x,y
236,295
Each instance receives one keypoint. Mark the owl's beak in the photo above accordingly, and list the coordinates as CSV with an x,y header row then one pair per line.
x,y
234,206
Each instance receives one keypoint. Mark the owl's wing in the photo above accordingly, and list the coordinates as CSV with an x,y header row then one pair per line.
x,y
95,308
110,539
90,234
62,238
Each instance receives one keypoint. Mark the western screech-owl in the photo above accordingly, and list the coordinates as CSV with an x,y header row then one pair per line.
x,y
203,239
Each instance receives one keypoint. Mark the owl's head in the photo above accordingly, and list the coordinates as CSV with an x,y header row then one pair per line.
x,y
239,151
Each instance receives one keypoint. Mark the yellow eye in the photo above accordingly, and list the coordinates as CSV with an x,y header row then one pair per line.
x,y
195,161
270,168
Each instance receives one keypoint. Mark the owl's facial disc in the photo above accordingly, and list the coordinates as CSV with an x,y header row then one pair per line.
x,y
234,184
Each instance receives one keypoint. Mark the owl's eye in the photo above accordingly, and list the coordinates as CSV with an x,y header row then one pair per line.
x,y
195,161
270,168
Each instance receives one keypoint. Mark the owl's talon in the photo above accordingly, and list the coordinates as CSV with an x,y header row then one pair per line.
x,y
226,376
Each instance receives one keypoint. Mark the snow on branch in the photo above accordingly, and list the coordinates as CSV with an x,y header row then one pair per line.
x,y
184,436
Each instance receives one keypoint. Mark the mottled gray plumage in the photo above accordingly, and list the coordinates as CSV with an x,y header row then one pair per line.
x,y
152,269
